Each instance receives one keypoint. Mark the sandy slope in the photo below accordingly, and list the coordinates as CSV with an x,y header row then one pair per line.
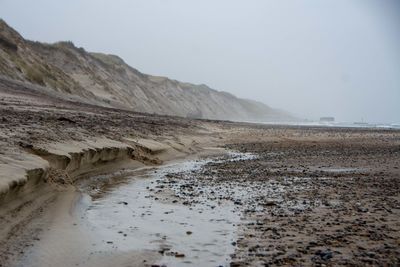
x,y
106,80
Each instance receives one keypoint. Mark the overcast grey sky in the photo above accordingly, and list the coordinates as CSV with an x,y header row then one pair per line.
x,y
311,57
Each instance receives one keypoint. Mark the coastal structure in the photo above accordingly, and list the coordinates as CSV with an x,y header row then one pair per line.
x,y
327,119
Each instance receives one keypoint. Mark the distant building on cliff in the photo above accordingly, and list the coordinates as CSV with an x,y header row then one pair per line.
x,y
327,119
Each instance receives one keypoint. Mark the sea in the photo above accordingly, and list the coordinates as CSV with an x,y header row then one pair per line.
x,y
393,126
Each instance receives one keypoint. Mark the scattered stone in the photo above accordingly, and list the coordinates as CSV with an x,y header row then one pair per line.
x,y
324,255
66,120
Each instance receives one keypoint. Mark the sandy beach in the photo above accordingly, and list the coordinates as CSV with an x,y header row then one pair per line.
x,y
318,197
89,186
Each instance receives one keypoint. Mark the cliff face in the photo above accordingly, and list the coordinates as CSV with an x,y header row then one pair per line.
x,y
107,80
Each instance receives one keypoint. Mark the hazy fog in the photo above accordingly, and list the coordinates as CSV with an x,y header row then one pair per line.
x,y
313,58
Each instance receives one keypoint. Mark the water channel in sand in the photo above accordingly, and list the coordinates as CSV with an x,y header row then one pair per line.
x,y
131,217
131,223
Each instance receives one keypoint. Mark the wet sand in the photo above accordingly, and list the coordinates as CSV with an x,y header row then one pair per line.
x,y
278,201
320,197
